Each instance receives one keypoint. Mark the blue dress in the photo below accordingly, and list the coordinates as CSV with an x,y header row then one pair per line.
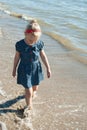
x,y
29,72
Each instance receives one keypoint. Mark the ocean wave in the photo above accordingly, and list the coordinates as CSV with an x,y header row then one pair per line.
x,y
66,42
22,16
62,40
77,53
4,9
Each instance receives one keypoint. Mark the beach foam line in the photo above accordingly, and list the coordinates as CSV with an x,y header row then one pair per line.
x,y
14,14
21,16
4,8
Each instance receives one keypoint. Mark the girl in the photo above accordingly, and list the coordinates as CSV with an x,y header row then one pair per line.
x,y
26,61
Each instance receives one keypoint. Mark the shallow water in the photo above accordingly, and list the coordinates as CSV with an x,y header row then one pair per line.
x,y
64,21
61,101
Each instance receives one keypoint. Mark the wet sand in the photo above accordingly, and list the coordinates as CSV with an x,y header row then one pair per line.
x,y
61,103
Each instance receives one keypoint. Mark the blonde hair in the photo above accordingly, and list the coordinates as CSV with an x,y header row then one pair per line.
x,y
33,21
33,25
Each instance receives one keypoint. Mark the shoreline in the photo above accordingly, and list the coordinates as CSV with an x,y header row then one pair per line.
x,y
77,51
61,101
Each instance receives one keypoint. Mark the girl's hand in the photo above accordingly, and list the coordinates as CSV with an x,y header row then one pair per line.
x,y
16,61
48,73
14,73
46,63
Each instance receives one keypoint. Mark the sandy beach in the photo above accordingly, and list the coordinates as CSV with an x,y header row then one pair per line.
x,y
61,102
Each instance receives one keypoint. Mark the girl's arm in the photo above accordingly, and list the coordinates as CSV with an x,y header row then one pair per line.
x,y
46,63
16,61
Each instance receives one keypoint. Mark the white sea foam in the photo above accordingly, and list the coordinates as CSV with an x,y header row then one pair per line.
x,y
5,9
3,126
2,92
25,17
7,12
26,122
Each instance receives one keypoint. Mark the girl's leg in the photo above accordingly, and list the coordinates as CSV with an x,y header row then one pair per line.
x,y
34,88
28,96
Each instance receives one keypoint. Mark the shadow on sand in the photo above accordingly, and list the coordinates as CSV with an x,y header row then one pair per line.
x,y
9,103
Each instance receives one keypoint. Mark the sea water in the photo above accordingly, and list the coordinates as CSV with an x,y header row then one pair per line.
x,y
64,108
64,21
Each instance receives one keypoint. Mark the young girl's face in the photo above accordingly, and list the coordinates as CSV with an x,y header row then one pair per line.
x,y
31,38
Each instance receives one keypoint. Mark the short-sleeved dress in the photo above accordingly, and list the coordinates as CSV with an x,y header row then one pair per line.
x,y
29,71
